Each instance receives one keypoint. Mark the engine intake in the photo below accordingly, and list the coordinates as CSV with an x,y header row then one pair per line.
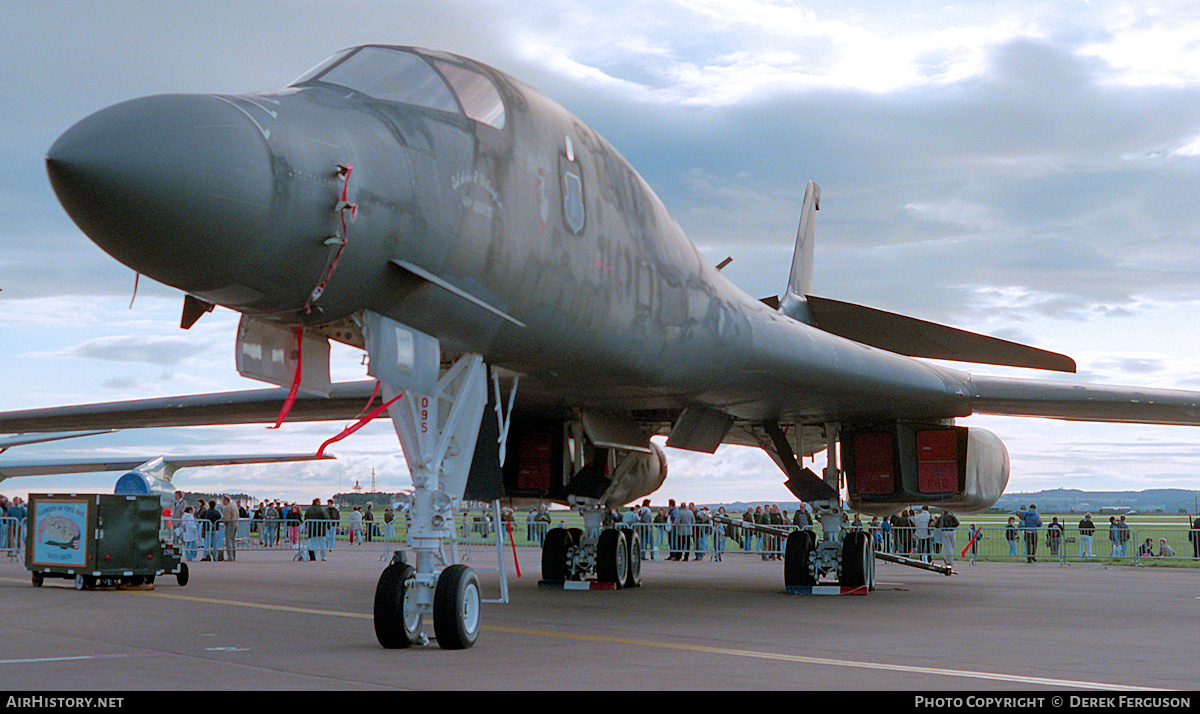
x,y
959,468
542,464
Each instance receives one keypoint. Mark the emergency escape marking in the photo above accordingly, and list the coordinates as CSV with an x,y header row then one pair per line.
x,y
797,659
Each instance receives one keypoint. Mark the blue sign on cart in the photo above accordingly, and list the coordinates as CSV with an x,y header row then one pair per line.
x,y
58,531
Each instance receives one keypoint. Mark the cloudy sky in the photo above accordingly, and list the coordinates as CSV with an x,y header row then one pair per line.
x,y
1024,169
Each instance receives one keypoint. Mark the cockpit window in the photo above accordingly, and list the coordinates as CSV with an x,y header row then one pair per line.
x,y
398,75
388,74
478,95
323,65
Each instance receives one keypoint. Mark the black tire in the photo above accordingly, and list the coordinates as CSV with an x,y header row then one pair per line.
x,y
457,608
182,576
854,560
612,557
634,577
37,580
554,555
397,624
870,563
797,570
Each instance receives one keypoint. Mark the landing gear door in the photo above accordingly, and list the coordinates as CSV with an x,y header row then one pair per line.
x,y
401,356
269,351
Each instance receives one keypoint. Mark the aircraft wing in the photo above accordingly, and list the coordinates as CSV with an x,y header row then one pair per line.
x,y
1083,402
43,467
254,406
981,395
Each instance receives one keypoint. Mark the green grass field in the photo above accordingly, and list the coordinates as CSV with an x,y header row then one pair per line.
x,y
992,546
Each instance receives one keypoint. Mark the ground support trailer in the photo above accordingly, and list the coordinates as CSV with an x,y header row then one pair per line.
x,y
100,540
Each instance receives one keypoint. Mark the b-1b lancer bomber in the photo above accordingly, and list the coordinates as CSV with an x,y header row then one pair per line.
x,y
532,316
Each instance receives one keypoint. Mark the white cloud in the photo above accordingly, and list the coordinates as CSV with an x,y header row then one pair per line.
x,y
713,54
1191,148
1156,44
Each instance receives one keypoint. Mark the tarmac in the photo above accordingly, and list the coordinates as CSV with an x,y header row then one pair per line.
x,y
269,623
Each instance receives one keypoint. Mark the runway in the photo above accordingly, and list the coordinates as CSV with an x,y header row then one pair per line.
x,y
269,623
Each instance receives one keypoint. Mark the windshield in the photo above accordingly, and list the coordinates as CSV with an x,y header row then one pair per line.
x,y
393,75
398,75
321,66
478,95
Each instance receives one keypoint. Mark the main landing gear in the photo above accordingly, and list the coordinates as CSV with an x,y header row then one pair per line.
x,y
850,555
573,555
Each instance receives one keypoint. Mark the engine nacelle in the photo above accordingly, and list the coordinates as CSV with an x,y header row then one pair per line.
x,y
889,468
137,483
553,460
635,474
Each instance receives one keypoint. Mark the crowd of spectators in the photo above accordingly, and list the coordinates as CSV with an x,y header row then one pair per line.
x,y
217,529
675,532
12,527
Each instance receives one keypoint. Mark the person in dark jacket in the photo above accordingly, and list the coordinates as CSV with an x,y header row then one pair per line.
x,y
293,519
904,527
213,536
949,527
1030,523
1086,530
316,526
775,518
1194,537
335,522
1054,533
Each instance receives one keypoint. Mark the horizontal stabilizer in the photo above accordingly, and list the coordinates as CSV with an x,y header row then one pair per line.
x,y
7,442
918,338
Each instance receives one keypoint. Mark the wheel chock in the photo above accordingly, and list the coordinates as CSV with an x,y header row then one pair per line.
x,y
575,585
826,590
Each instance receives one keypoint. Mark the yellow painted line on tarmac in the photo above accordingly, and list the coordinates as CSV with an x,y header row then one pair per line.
x,y
721,651
801,659
256,605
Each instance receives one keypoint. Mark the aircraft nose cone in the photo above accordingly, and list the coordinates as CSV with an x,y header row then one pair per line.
x,y
176,187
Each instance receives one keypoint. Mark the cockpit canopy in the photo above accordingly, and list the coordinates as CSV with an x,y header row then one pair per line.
x,y
403,75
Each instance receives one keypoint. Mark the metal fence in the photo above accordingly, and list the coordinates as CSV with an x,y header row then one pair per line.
x,y
704,541
208,540
711,541
12,537
658,541
1070,544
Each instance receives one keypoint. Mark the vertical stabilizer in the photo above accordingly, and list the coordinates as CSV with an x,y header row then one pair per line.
x,y
792,303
